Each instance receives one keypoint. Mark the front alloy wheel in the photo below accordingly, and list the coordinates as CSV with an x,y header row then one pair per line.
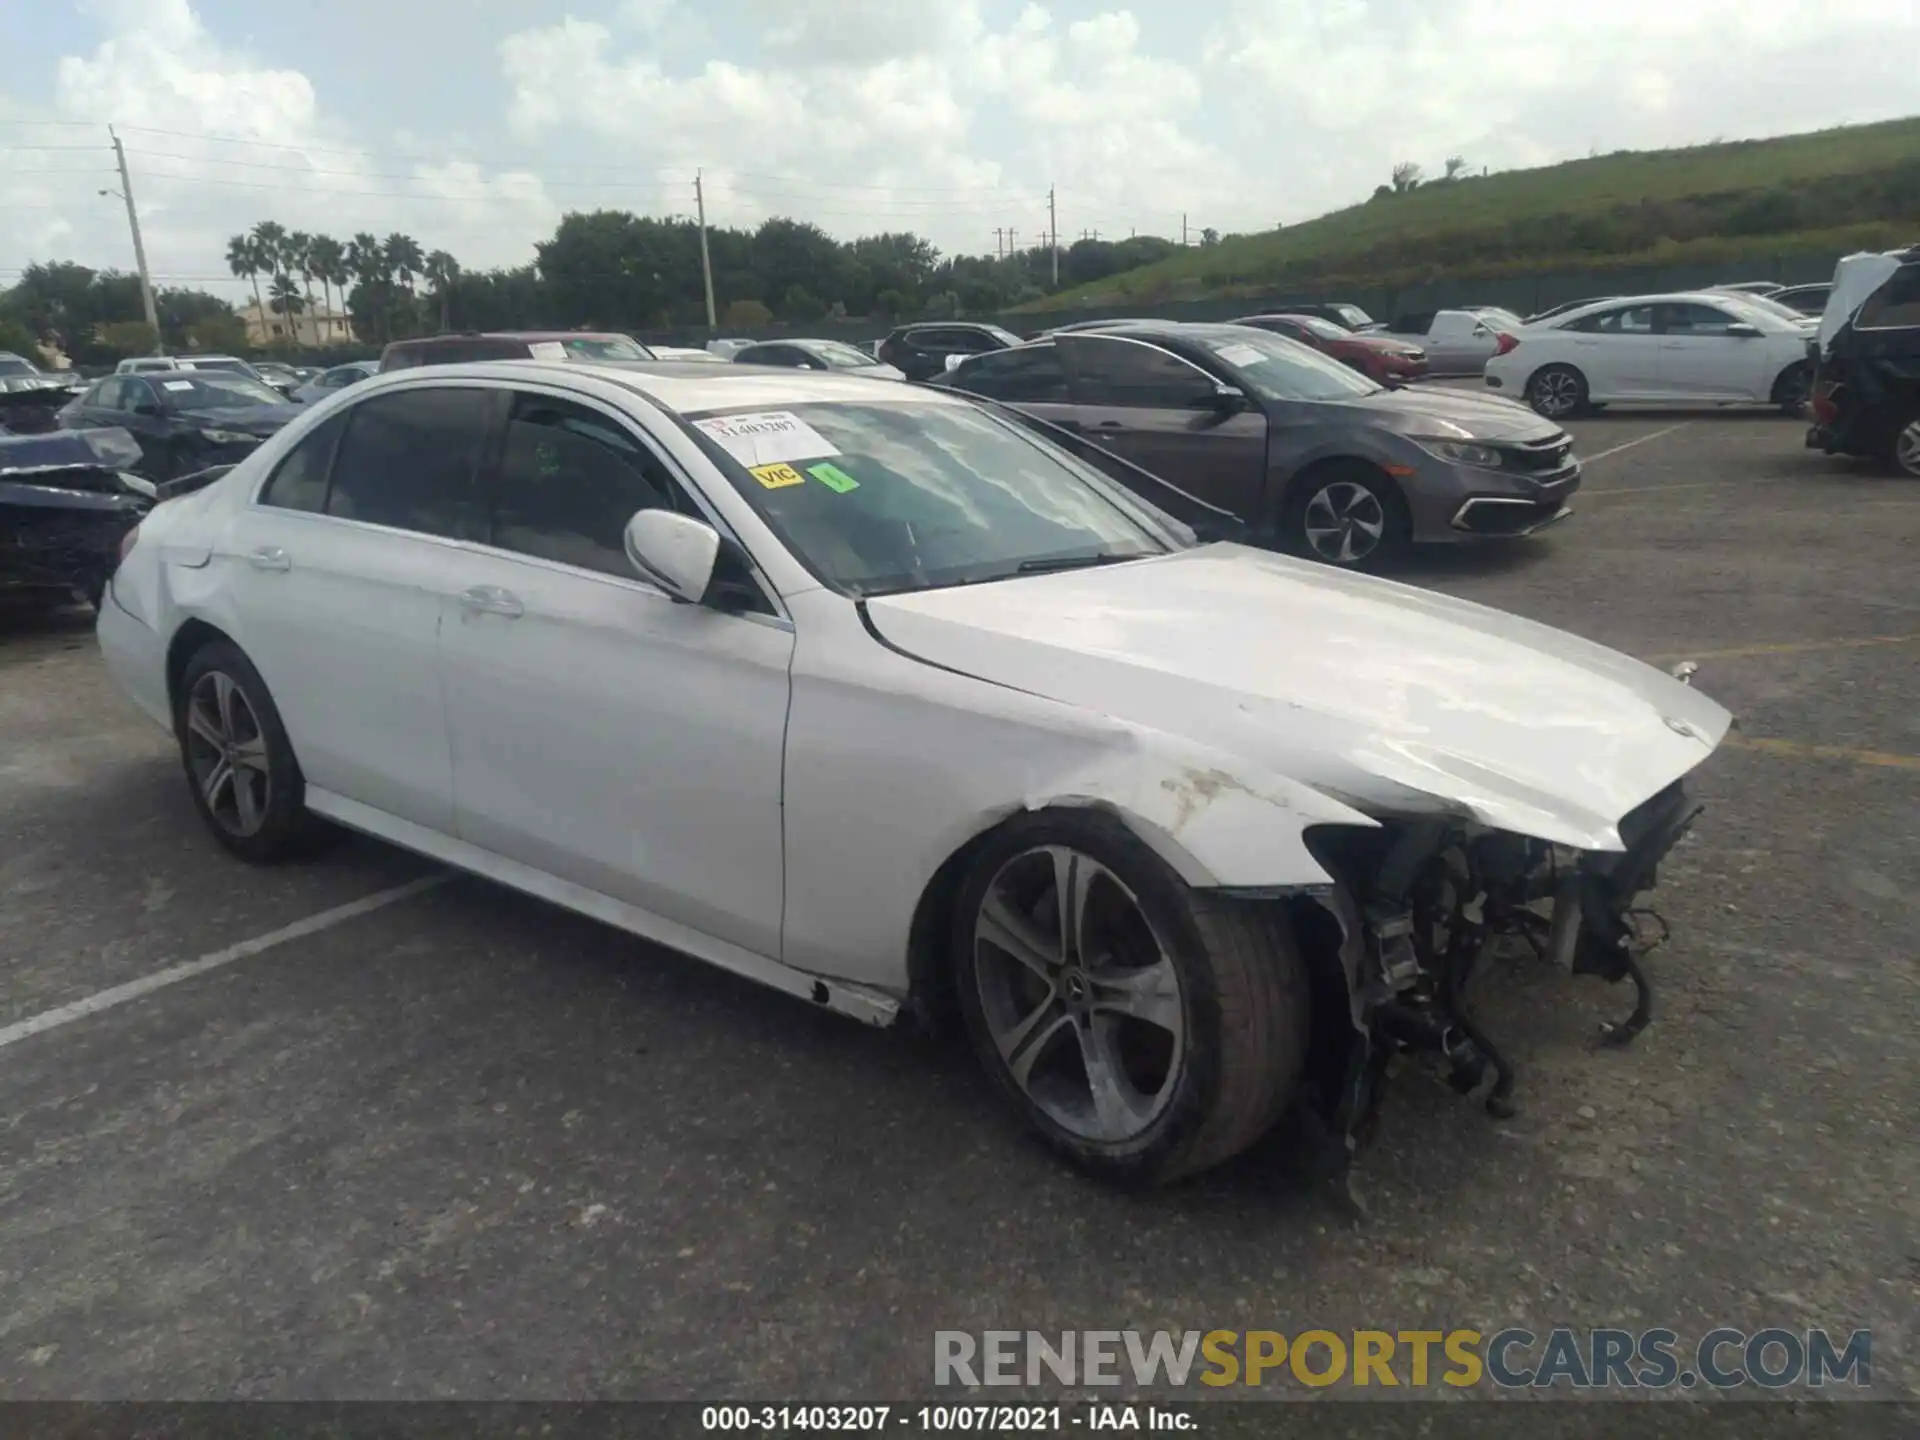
x,y
1079,996
1345,523
1557,392
1144,1029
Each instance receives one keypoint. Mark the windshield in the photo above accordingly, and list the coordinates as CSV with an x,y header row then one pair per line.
x,y
1005,337
15,365
1325,329
879,498
842,357
605,347
1276,368
1767,305
222,364
214,390
1353,315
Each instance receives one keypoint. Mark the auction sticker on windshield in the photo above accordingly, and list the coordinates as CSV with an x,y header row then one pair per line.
x,y
777,477
176,384
1238,354
547,350
766,437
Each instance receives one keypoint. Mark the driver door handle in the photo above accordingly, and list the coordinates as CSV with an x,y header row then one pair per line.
x,y
491,600
269,557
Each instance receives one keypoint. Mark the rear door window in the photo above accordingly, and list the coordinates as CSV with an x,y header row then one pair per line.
x,y
408,460
1032,373
299,482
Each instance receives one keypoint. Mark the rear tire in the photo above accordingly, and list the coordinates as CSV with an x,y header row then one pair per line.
x,y
1167,1035
1348,514
1558,392
1903,455
238,761
1794,389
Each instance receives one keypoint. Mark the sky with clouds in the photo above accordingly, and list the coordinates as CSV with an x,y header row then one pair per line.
x,y
473,125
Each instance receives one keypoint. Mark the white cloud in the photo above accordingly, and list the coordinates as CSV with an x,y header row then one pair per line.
x,y
217,141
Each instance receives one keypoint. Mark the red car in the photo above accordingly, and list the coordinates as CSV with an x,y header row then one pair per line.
x,y
1391,362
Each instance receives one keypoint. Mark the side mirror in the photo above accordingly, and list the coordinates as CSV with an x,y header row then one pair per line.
x,y
1740,330
676,552
1225,400
951,361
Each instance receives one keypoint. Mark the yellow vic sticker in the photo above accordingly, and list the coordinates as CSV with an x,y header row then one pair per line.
x,y
833,477
777,477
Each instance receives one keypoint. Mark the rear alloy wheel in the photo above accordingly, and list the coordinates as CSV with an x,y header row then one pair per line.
x,y
1558,392
1906,449
1793,389
238,761
1349,515
1145,1031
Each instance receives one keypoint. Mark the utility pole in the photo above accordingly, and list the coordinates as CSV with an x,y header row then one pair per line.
x,y
1183,227
139,250
706,264
998,253
1053,236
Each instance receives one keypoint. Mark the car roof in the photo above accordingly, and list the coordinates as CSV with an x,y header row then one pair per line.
x,y
686,386
528,335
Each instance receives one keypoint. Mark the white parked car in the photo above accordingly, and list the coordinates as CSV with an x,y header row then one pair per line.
x,y
872,694
1703,347
1457,342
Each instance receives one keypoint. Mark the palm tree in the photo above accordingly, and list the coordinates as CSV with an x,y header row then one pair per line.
x,y
404,257
300,262
243,259
441,270
367,260
329,266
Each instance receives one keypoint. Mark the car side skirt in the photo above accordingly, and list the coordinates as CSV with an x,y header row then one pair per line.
x,y
870,1006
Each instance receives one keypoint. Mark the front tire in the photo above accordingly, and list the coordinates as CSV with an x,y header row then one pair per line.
x,y
1347,514
1904,453
1144,1030
239,763
1558,392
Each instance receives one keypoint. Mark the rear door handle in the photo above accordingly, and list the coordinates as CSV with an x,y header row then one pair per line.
x,y
269,557
491,600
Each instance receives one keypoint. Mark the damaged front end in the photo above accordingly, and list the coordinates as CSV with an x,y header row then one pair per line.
x,y
66,502
1394,942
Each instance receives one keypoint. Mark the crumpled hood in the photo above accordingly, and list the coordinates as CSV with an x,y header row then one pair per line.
x,y
1388,698
259,420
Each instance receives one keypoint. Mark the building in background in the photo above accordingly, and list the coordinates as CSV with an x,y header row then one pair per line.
x,y
315,326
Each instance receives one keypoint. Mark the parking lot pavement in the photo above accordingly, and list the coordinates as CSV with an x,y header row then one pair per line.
x,y
471,1145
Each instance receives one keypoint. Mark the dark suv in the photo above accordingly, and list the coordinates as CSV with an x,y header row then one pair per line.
x,y
920,351
512,345
1866,387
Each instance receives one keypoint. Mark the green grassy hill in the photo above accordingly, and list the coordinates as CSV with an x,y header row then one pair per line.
x,y
1829,191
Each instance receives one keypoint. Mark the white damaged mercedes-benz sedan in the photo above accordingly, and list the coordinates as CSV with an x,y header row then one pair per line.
x,y
885,698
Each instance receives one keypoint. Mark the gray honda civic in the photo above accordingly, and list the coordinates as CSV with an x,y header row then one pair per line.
x,y
1307,454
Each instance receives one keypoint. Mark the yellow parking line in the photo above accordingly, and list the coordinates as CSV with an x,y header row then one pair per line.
x,y
1792,647
1794,750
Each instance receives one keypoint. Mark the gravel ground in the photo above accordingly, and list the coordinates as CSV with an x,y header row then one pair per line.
x,y
471,1146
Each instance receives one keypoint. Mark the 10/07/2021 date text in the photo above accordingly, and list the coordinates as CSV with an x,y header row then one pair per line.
x,y
942,1419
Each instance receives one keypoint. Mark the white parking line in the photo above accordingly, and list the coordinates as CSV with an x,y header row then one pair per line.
x,y
1629,444
173,975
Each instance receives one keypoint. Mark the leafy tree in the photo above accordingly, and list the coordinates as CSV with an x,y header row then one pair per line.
x,y
1209,237
800,303
123,339
1406,177
1455,164
746,315
299,255
330,266
404,258
19,340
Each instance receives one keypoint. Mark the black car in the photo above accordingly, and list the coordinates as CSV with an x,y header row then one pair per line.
x,y
814,355
1866,384
920,352
65,505
183,420
1311,456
